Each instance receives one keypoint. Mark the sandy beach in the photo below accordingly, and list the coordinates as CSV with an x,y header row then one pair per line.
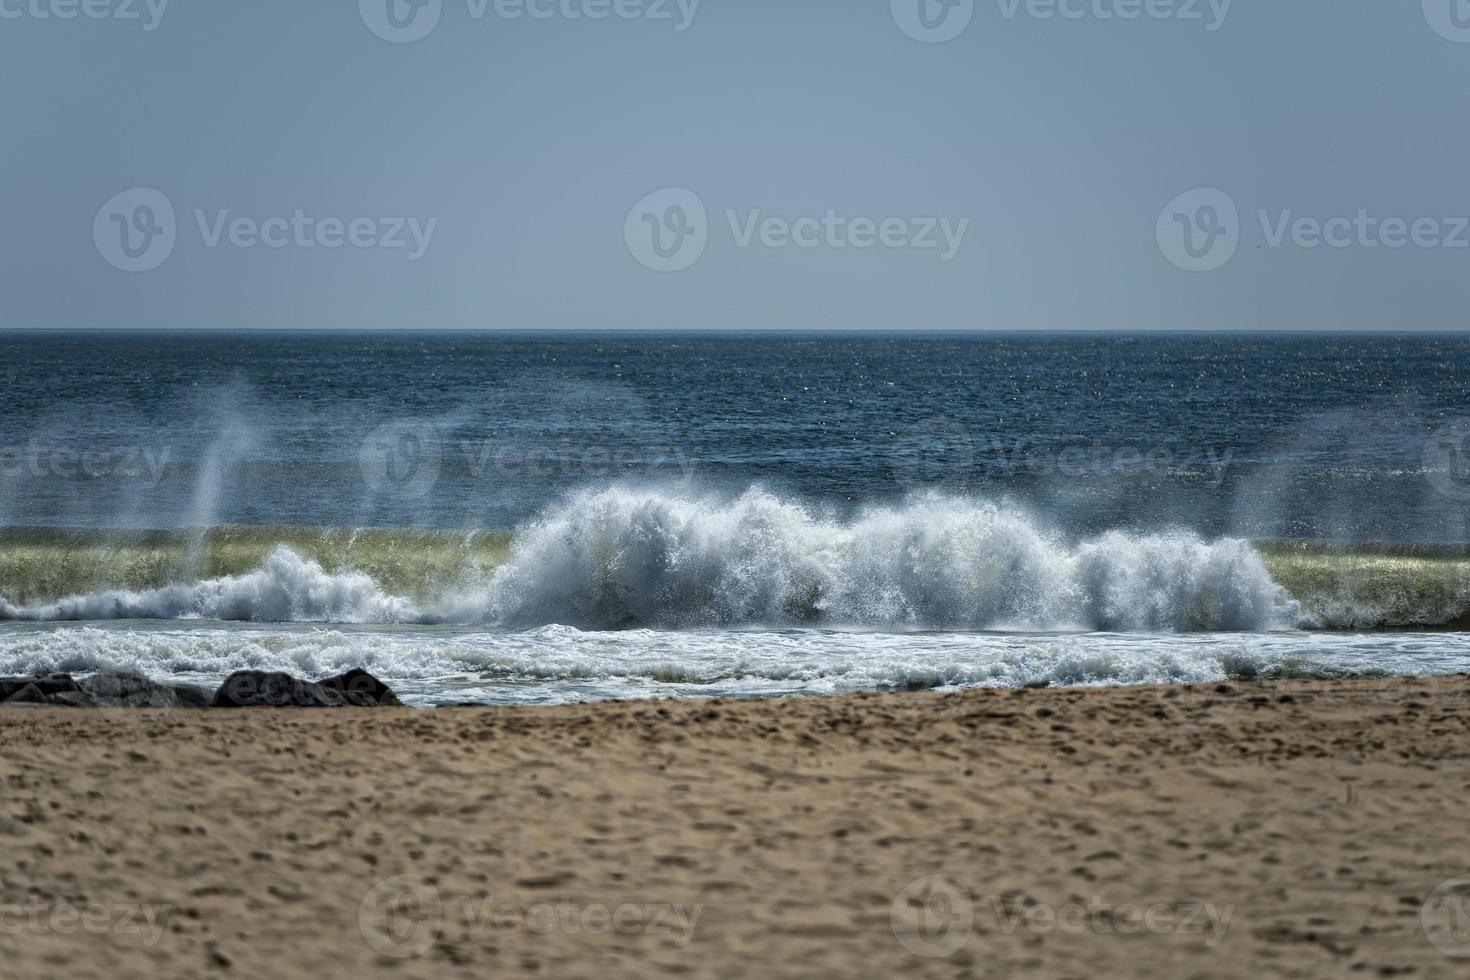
x,y
1300,829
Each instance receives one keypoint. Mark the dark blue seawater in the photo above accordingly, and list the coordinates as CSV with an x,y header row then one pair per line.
x,y
718,515
1259,436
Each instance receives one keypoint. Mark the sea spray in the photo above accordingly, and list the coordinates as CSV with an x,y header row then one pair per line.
x,y
286,588
620,558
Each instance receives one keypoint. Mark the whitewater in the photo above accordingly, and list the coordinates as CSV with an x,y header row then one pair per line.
x,y
651,592
622,558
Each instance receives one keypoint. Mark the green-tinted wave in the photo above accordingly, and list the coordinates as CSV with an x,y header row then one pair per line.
x,y
1375,586
1341,586
45,564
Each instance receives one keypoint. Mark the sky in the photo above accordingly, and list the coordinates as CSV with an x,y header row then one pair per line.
x,y
735,164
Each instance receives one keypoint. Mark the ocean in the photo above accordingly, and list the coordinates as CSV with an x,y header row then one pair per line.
x,y
543,518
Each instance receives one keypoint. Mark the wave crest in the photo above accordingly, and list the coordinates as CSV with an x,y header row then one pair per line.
x,y
286,588
622,558
619,558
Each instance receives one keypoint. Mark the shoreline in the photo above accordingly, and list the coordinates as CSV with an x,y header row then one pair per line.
x,y
1293,828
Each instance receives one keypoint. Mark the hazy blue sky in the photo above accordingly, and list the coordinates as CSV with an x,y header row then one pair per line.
x,y
527,143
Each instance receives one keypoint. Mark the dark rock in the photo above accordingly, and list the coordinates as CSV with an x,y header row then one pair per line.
x,y
47,684
263,689
30,694
105,689
71,699
360,682
268,689
118,689
244,689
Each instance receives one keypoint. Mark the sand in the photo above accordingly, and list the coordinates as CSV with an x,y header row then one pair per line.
x,y
1294,829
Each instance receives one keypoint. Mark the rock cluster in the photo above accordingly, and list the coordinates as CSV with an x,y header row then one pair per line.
x,y
243,689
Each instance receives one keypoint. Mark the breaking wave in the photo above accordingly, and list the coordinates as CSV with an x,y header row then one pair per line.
x,y
622,558
617,558
286,588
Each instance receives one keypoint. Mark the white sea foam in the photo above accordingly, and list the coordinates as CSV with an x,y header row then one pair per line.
x,y
620,557
436,665
624,558
286,588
